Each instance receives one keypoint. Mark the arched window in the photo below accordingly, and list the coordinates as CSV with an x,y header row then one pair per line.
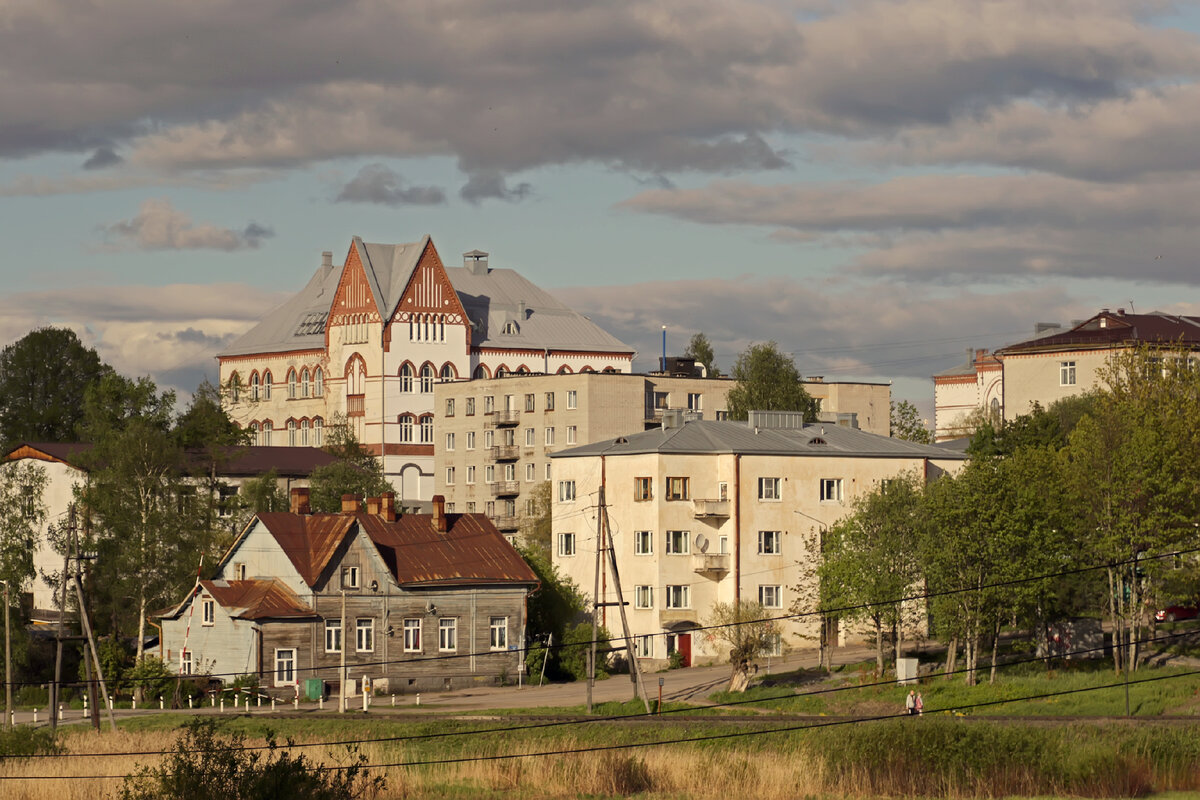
x,y
609,370
448,373
427,429
267,428
406,378
587,369
481,373
266,387
501,371
522,370
317,431
234,382
304,386
254,434
292,385
254,386
304,433
291,429
564,370
427,378
406,428
318,383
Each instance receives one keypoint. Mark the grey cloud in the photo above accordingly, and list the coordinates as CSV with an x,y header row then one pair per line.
x,y
160,226
378,183
192,335
103,157
492,186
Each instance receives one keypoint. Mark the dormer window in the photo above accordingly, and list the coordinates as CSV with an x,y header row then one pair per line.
x,y
349,577
510,328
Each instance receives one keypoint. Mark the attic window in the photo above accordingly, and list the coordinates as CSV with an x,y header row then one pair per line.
x,y
817,440
510,328
350,578
312,324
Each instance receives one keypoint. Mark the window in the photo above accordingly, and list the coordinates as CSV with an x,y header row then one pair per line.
x,y
645,646
255,436
449,441
470,474
643,597
677,597
770,596
694,402
530,473
499,633
234,387
489,404
304,433
566,491
427,429
510,437
447,373
449,406
291,429
268,428
29,502
412,635
305,388
266,387
1066,373
208,608
547,470
449,476
349,577
677,489
549,436
239,572
770,543
470,406
447,634
768,489
643,543
678,543
831,490
406,378
530,508
643,489
254,386
775,644
510,472
662,400
489,473
470,440
566,544
530,437
333,636
406,428
572,399
318,383
292,385
185,662
285,667
530,403
427,376
470,503
317,432
490,508
571,434
364,635
549,401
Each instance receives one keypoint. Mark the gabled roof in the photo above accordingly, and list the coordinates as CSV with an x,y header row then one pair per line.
x,y
308,540
288,462
1115,329
63,452
710,436
389,268
259,598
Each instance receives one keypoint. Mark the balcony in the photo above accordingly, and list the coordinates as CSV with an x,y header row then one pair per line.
x,y
504,419
356,405
711,565
710,509
505,452
507,524
506,489
673,616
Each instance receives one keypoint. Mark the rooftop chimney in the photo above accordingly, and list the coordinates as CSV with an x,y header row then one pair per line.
x,y
521,311
327,259
373,506
388,509
351,503
439,513
476,262
299,501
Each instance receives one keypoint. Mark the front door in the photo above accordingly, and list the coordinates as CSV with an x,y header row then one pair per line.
x,y
685,648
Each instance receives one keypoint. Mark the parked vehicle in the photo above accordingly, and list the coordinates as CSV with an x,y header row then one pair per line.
x,y
1176,613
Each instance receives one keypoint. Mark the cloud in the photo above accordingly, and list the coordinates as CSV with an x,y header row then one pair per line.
x,y
160,226
491,185
103,157
377,183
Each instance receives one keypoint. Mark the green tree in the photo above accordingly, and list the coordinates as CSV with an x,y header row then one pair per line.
x,y
43,377
355,472
211,441
1043,427
767,380
536,529
552,608
906,423
749,631
22,515
700,349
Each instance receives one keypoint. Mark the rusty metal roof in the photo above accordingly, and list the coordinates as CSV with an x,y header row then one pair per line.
x,y
308,540
258,599
237,462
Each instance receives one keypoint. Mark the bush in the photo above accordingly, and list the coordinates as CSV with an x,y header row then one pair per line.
x,y
152,676
36,696
573,655
205,766
23,740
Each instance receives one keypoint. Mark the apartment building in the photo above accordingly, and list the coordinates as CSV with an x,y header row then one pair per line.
x,y
495,437
705,512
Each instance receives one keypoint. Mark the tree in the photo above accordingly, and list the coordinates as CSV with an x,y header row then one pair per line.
x,y
258,495
212,441
22,514
700,349
355,472
43,377
536,529
748,630
767,380
553,607
906,423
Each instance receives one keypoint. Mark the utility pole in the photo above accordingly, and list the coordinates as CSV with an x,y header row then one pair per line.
x,y
342,667
62,620
591,661
8,706
91,639
634,669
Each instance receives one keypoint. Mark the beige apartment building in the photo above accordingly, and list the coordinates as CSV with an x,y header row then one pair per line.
x,y
705,512
495,437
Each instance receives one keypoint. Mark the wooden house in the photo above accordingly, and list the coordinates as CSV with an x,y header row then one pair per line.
x,y
412,602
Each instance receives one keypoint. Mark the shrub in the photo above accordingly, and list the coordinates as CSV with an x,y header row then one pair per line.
x,y
573,655
205,766
152,676
23,740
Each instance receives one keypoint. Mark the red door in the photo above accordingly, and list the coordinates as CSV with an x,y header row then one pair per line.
x,y
685,648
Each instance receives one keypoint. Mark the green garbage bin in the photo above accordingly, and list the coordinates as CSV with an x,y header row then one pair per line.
x,y
314,688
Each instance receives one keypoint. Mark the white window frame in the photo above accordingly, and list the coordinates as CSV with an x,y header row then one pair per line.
x,y
643,596
831,490
449,476
770,489
350,577
498,633
644,646
770,543
572,399
364,635
530,472
530,436
566,545
566,491
549,436
489,473
448,635
678,596
208,610
770,596
470,440
185,662
678,543
333,636
643,543
471,474
1066,373
572,434
285,662
412,635
449,441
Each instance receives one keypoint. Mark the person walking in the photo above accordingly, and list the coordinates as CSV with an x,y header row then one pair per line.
x,y
910,702
919,704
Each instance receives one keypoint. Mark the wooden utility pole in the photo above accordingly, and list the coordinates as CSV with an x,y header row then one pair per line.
x,y
8,706
635,670
342,665
591,661
62,620
91,640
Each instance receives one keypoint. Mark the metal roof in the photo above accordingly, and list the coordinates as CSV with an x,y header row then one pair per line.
x,y
814,440
258,598
288,462
308,540
298,324
1108,329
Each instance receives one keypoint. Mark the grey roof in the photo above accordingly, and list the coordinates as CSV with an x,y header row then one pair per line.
x,y
491,300
710,436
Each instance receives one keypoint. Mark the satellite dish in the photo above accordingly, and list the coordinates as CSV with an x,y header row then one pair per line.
x,y
702,543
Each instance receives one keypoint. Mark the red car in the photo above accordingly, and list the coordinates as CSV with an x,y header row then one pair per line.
x,y
1176,613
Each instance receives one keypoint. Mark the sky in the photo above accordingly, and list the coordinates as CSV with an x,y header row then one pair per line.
x,y
876,186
